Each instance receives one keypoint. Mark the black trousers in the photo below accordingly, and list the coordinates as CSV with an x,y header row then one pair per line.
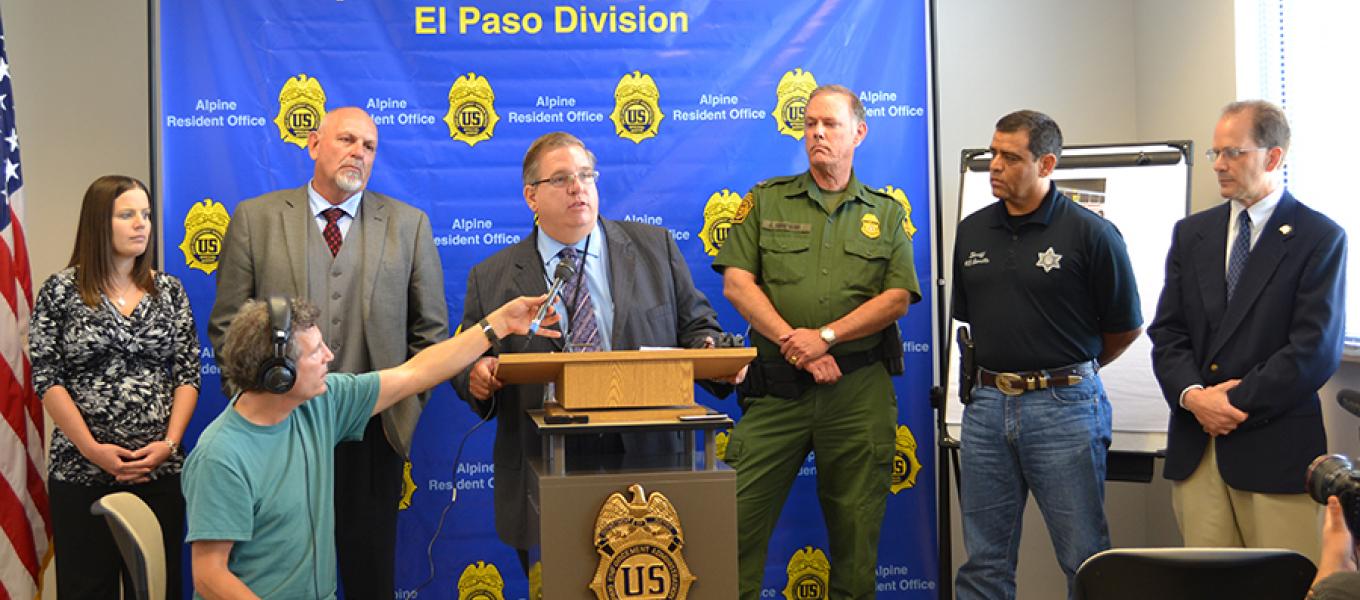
x,y
88,562
367,490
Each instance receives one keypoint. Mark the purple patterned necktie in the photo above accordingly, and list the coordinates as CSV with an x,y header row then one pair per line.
x,y
1237,260
332,231
585,330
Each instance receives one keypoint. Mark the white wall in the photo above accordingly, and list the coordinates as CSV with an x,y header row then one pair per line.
x,y
80,94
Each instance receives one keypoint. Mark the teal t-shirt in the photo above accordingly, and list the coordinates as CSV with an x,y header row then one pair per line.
x,y
268,489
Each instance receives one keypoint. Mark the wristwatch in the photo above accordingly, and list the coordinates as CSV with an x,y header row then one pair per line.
x,y
828,335
489,331
174,447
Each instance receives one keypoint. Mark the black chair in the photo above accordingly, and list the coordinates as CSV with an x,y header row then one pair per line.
x,y
1194,574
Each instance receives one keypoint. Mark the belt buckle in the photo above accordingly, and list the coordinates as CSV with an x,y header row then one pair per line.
x,y
1010,384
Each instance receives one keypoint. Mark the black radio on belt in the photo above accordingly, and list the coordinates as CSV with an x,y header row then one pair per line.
x,y
967,365
890,347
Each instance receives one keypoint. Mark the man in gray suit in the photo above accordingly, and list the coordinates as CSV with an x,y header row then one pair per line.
x,y
631,289
369,262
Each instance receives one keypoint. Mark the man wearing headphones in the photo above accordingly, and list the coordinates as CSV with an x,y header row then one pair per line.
x,y
268,459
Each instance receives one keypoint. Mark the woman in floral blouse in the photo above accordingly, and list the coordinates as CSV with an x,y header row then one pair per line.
x,y
115,359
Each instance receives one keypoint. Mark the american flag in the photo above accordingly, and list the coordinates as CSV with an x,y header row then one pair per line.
x,y
23,494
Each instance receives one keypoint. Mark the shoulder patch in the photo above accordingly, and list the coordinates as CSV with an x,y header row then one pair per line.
x,y
748,202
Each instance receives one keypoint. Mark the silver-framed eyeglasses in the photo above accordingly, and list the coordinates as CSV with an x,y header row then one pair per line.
x,y
1229,153
561,180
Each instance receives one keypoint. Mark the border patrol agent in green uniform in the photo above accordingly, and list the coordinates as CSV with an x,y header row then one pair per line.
x,y
821,266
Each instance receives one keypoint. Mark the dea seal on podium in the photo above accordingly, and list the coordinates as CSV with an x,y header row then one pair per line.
x,y
639,543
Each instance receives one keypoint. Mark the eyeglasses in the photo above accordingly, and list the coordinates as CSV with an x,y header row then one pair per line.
x,y
1229,153
562,180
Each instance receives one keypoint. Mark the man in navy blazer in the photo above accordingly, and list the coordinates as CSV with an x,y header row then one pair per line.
x,y
1248,327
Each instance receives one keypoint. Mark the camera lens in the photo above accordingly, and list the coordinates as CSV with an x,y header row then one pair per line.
x,y
1331,475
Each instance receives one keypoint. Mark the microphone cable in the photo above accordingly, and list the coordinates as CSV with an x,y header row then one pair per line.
x,y
457,458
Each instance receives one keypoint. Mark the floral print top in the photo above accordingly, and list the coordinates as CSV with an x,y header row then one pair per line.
x,y
121,371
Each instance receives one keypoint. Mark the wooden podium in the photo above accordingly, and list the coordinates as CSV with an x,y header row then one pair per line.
x,y
624,386
629,392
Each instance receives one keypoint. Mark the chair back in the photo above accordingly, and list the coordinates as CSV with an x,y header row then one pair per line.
x,y
138,535
1194,573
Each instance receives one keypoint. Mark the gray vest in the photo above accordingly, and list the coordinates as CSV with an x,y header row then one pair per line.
x,y
334,284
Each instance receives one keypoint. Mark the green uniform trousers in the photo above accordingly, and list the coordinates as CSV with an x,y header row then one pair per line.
x,y
851,426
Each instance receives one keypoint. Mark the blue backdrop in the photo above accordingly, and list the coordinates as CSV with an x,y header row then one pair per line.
x,y
686,103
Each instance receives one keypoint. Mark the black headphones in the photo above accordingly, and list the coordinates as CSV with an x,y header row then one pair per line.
x,y
277,373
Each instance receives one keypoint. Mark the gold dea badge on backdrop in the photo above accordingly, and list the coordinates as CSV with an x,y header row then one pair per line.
x,y
481,582
809,575
472,114
905,465
302,104
640,544
718,213
408,486
901,198
792,98
204,228
637,107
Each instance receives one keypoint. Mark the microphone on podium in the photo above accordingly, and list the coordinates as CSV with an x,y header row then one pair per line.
x,y
565,271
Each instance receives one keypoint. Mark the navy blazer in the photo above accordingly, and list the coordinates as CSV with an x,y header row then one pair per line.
x,y
1282,335
655,304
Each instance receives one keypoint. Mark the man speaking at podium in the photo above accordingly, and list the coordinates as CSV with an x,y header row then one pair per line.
x,y
630,288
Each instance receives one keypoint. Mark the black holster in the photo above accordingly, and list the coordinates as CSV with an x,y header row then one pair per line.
x,y
967,365
776,377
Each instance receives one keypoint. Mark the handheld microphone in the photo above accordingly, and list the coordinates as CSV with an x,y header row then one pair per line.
x,y
565,271
1349,400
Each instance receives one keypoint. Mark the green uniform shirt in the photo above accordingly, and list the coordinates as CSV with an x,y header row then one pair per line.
x,y
814,264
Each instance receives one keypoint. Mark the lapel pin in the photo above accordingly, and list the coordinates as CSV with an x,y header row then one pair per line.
x,y
1285,229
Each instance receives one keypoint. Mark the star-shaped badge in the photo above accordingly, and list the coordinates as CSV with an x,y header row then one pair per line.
x,y
1049,260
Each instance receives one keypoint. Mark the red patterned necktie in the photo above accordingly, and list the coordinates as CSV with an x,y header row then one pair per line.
x,y
332,230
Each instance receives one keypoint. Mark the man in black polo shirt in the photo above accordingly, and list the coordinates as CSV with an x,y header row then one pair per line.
x,y
1048,290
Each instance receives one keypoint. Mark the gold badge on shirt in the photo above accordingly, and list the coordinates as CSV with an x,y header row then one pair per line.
x,y
640,543
302,104
791,102
809,575
472,114
481,581
868,225
204,229
637,107
719,214
905,465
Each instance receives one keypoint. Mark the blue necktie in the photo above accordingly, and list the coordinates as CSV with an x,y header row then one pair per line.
x,y
585,330
1237,261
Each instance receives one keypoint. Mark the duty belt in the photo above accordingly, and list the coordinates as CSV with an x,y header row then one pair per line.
x,y
776,377
1014,384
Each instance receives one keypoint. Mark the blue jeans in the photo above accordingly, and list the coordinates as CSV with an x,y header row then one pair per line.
x,y
1052,442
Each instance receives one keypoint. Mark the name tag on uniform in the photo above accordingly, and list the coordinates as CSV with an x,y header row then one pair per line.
x,y
786,226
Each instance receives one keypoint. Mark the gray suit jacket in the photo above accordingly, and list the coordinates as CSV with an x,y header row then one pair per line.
x,y
655,304
265,252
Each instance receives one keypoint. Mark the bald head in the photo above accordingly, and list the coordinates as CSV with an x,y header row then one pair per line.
x,y
343,148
